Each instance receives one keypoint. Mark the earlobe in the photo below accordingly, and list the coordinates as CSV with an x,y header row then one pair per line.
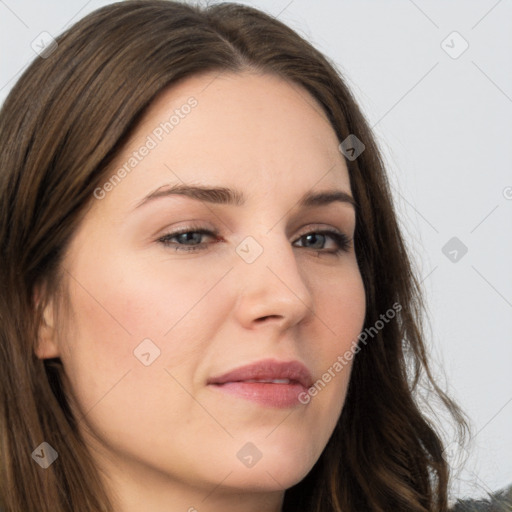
x,y
46,345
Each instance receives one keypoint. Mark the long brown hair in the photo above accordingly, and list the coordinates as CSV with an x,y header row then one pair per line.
x,y
61,126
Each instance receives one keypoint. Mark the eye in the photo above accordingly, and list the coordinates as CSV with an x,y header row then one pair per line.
x,y
187,239
341,241
191,239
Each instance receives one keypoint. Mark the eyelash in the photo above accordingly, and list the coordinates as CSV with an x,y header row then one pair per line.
x,y
342,241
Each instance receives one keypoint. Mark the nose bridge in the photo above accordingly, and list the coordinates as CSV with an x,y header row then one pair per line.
x,y
271,282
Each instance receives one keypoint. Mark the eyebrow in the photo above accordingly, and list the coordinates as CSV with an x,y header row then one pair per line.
x,y
228,196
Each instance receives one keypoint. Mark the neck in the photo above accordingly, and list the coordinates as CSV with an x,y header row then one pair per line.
x,y
134,486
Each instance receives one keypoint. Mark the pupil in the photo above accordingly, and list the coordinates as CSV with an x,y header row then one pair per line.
x,y
187,237
312,238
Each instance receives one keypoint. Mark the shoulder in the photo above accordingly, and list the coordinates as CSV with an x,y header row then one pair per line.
x,y
500,501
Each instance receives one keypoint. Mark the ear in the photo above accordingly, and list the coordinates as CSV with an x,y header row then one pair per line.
x,y
46,345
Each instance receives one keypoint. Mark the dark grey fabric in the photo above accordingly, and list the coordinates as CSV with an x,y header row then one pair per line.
x,y
500,501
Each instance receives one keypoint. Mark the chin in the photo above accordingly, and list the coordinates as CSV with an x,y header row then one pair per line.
x,y
274,474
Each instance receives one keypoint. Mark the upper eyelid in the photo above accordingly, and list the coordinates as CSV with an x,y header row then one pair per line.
x,y
201,228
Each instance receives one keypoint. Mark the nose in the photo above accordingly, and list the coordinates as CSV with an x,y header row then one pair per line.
x,y
272,288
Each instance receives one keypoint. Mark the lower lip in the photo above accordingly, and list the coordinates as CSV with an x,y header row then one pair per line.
x,y
265,393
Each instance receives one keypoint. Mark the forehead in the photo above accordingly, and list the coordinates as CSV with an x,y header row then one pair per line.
x,y
256,132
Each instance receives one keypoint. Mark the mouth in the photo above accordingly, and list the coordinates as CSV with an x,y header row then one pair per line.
x,y
270,383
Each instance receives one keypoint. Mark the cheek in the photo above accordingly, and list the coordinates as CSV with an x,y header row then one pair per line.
x,y
121,303
341,310
153,297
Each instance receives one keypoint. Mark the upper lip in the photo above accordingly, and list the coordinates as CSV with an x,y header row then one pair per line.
x,y
267,369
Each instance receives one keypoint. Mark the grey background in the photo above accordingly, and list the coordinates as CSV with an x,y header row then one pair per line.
x,y
445,127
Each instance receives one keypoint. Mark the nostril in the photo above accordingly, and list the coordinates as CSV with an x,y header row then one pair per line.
x,y
265,317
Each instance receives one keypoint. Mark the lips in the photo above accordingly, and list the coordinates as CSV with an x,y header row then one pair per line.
x,y
268,383
267,371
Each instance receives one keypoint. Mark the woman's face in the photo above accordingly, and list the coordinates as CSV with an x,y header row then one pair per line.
x,y
157,316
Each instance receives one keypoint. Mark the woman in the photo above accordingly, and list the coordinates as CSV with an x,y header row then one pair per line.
x,y
169,337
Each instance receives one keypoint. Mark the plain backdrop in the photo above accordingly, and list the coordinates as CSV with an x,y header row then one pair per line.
x,y
434,79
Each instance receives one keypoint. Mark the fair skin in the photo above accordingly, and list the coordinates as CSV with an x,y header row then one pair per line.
x,y
163,438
